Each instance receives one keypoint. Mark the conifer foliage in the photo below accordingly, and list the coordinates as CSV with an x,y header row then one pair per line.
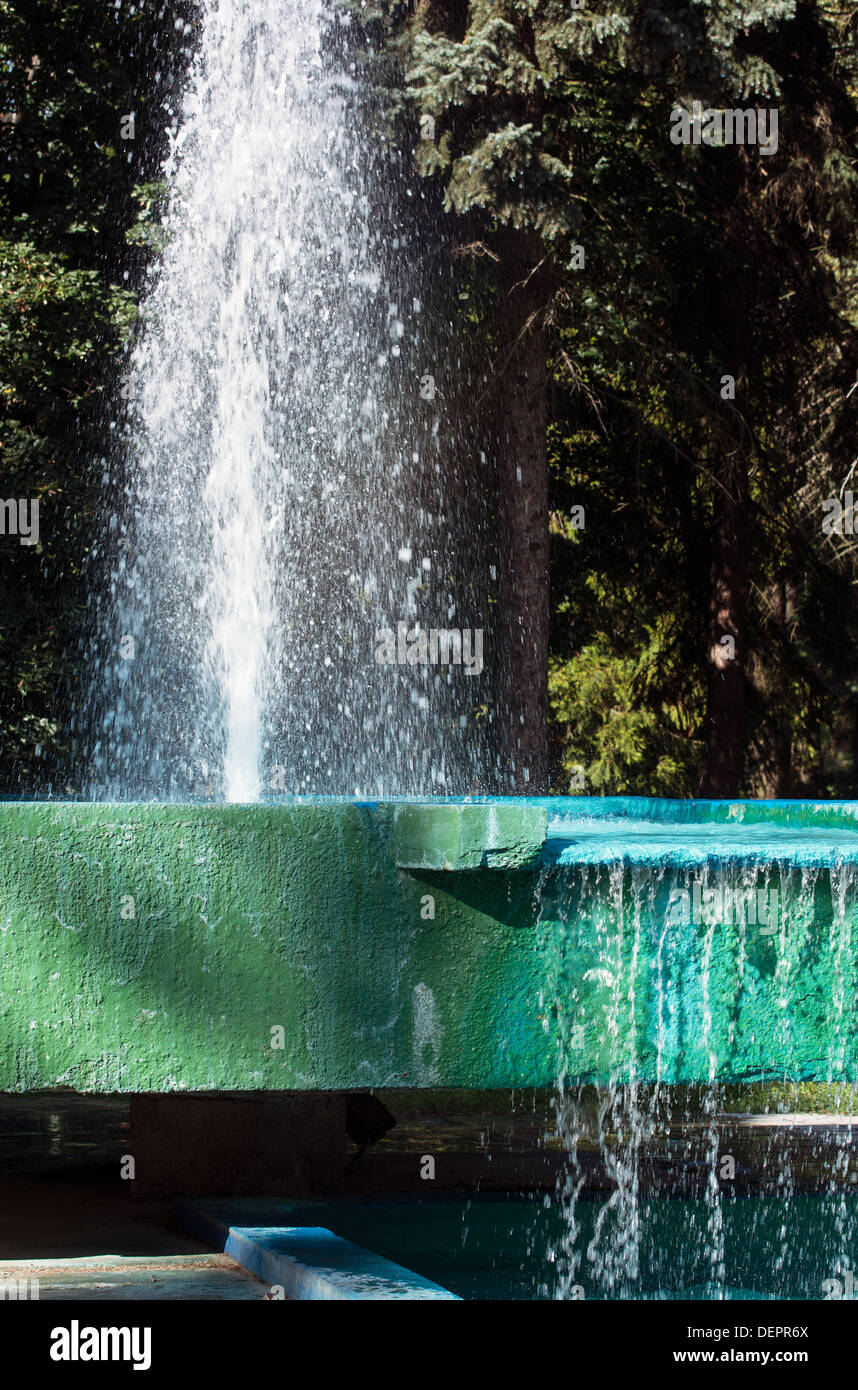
x,y
698,318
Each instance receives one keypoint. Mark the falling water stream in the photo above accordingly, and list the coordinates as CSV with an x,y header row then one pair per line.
x,y
683,957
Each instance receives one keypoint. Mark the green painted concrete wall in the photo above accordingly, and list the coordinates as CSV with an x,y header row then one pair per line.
x,y
155,948
246,920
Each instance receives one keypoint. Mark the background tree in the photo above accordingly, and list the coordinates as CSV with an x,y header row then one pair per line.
x,y
612,278
73,197
701,263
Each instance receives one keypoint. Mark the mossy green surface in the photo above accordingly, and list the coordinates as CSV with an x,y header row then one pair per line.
x,y
164,947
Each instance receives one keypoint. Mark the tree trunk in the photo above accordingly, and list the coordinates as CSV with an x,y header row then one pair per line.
x,y
725,718
522,658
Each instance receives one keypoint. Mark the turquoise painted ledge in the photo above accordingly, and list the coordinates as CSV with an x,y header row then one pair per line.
x,y
306,1261
336,944
450,836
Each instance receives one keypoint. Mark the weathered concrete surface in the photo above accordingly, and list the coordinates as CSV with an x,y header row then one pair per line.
x,y
130,1278
494,835
159,948
282,947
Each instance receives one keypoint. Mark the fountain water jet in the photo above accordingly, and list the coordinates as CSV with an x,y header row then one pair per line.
x,y
279,479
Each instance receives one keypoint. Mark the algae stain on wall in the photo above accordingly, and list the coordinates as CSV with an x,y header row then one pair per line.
x,y
427,1036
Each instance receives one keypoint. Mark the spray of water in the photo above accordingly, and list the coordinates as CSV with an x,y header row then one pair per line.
x,y
279,493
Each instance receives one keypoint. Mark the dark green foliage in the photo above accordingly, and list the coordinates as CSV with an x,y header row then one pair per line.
x,y
699,262
69,74
552,124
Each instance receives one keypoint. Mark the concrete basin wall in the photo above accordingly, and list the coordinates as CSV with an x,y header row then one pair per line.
x,y
161,947
337,945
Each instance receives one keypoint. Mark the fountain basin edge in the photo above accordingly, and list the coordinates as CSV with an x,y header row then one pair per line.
x,y
331,945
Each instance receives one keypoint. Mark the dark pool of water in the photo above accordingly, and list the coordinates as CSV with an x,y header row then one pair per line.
x,y
512,1247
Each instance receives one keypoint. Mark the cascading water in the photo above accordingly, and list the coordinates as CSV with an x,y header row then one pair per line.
x,y
278,491
668,948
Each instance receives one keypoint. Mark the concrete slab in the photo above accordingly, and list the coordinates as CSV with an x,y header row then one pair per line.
x,y
198,948
116,1278
309,1262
